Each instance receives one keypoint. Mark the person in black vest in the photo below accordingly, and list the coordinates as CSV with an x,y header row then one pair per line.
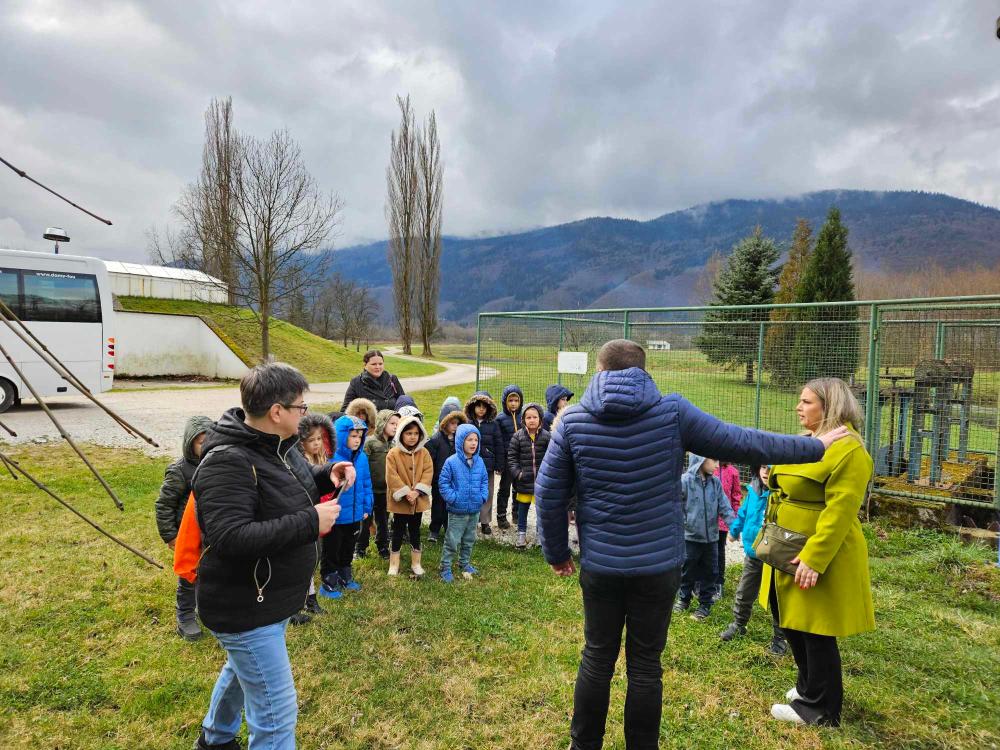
x,y
256,501
374,383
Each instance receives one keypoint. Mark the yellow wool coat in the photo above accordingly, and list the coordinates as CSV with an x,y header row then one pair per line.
x,y
822,500
407,470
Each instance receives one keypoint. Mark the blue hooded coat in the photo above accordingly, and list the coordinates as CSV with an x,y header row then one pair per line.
x,y
705,501
552,395
464,487
622,449
750,517
356,500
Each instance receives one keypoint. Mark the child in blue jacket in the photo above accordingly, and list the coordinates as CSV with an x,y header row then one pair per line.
x,y
464,485
749,519
355,506
705,501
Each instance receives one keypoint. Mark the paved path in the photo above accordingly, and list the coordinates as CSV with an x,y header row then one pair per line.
x,y
162,414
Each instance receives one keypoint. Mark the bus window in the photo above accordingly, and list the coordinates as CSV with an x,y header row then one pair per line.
x,y
8,290
62,297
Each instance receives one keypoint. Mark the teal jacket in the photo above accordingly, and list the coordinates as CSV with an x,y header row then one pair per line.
x,y
750,518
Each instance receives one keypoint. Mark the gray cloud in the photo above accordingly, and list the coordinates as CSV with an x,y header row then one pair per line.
x,y
548,112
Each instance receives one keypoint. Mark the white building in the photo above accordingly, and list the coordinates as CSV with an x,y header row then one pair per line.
x,y
658,346
163,282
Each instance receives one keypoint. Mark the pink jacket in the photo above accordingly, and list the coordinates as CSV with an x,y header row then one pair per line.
x,y
730,477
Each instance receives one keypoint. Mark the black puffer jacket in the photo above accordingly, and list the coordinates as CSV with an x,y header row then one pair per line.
x,y
381,391
491,440
441,447
524,455
254,494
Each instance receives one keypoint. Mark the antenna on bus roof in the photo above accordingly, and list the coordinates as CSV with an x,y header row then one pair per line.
x,y
26,176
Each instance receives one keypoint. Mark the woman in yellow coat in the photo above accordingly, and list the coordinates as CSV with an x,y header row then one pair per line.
x,y
830,594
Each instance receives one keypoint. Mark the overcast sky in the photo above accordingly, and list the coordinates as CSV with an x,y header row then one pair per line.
x,y
548,112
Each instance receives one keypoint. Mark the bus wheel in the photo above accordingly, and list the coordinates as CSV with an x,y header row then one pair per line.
x,y
8,395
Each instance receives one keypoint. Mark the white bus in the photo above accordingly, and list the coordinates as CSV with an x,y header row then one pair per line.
x,y
65,300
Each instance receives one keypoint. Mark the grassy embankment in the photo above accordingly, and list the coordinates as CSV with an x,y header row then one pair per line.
x,y
319,359
90,661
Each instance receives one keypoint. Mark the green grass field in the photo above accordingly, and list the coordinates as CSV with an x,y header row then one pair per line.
x,y
90,660
319,359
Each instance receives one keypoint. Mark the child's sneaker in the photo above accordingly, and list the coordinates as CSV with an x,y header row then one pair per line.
x,y
778,647
468,571
502,523
299,618
485,530
447,576
331,586
682,606
701,613
522,540
432,537
312,606
733,630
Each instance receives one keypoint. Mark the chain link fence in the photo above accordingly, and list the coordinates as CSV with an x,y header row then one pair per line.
x,y
932,366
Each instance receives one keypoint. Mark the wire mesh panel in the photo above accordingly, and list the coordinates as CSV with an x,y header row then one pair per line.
x,y
933,370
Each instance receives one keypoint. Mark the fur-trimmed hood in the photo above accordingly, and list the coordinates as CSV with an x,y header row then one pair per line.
x,y
363,409
403,424
381,420
456,415
480,397
310,422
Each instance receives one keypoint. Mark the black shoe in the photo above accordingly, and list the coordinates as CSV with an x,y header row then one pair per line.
x,y
701,613
681,606
502,523
299,618
189,630
201,744
778,647
384,553
432,538
716,596
733,630
485,529
359,553
312,605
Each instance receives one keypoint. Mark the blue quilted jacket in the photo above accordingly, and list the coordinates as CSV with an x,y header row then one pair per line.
x,y
358,499
463,487
622,448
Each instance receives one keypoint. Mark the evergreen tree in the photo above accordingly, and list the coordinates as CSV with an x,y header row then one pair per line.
x,y
780,337
827,349
747,278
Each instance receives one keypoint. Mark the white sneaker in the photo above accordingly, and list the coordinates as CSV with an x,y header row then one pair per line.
x,y
783,712
792,695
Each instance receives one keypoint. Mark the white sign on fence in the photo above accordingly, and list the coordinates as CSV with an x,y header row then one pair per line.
x,y
573,363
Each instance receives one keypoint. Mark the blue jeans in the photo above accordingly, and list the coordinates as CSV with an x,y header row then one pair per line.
x,y
459,536
522,515
257,677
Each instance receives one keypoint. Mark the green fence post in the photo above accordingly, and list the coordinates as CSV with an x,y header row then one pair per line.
x,y
871,396
479,344
760,374
562,335
939,340
626,326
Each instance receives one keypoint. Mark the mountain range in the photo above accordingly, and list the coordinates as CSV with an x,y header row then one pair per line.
x,y
609,262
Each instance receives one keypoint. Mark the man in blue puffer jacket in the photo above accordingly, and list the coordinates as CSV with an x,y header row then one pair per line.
x,y
464,484
622,449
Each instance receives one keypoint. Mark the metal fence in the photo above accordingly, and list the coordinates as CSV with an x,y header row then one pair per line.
x,y
933,366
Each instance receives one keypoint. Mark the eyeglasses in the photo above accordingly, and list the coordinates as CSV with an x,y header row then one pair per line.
x,y
303,408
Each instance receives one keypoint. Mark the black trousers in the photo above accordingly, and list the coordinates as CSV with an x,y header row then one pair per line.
x,y
381,517
505,495
338,547
406,525
820,682
186,603
699,568
641,605
720,561
439,513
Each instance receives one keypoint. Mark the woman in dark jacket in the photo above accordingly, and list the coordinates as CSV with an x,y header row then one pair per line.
x,y
374,383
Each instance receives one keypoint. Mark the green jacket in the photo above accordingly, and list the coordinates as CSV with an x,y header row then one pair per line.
x,y
822,500
376,447
177,481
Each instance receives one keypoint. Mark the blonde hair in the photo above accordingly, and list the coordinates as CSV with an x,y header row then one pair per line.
x,y
840,406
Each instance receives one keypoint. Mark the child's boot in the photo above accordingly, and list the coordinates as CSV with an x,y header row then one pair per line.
x,y
394,563
415,566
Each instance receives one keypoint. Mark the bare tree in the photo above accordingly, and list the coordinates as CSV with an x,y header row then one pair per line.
x,y
281,217
402,214
207,209
365,314
431,187
704,283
